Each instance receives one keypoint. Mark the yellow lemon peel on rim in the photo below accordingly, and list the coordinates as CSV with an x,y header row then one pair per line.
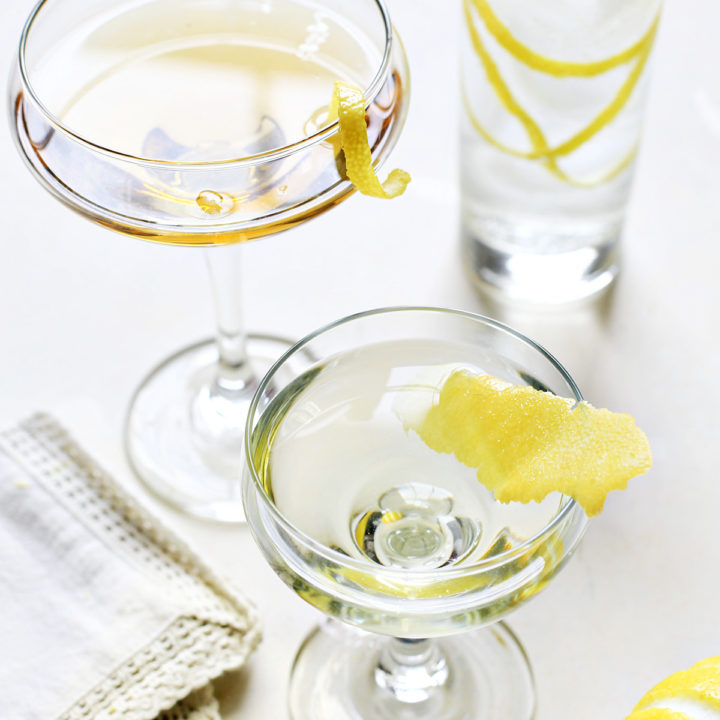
x,y
348,106
701,682
526,443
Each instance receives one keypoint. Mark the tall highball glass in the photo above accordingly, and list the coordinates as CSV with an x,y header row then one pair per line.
x,y
401,544
200,123
553,98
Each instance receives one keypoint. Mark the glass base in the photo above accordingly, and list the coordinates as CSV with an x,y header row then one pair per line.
x,y
541,265
184,431
342,674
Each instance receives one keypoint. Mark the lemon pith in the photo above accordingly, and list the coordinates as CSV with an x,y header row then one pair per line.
x,y
525,443
348,106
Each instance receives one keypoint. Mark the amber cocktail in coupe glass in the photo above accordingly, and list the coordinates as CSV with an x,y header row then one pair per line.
x,y
370,525
201,123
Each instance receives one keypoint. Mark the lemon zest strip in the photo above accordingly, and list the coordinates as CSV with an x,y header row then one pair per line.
x,y
348,107
541,150
553,166
549,66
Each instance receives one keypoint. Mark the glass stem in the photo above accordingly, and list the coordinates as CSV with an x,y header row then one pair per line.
x,y
234,374
411,669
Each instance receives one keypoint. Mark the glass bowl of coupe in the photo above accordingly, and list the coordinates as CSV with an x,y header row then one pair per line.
x,y
201,123
366,521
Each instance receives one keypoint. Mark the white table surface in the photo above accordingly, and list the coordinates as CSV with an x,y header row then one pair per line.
x,y
84,314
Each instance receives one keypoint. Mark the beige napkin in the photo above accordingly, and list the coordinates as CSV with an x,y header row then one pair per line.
x,y
104,614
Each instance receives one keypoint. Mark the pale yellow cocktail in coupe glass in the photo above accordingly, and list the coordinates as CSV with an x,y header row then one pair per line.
x,y
370,525
201,123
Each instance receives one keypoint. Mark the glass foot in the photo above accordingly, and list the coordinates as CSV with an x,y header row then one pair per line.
x,y
529,265
344,674
184,431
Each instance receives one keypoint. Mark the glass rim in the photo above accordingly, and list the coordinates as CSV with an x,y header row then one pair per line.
x,y
342,559
276,154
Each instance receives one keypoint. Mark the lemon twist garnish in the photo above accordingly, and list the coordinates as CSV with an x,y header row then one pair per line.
x,y
700,684
549,66
348,106
640,52
526,443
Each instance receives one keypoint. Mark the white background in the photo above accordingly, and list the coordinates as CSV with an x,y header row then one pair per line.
x,y
84,314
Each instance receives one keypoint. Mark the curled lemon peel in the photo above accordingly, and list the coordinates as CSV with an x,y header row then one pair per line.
x,y
541,150
348,107
548,159
526,444
550,66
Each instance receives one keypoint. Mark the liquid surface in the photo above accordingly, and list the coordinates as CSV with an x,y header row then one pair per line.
x,y
191,83
343,469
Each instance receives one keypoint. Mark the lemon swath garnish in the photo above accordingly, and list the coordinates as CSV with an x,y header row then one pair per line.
x,y
540,150
525,443
700,685
348,107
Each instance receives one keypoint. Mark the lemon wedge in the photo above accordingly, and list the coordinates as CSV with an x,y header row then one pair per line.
x,y
348,107
678,696
526,443
658,713
701,682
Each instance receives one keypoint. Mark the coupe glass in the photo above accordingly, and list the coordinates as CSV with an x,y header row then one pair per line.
x,y
200,123
372,527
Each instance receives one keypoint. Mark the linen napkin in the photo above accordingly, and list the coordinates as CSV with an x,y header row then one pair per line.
x,y
104,614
